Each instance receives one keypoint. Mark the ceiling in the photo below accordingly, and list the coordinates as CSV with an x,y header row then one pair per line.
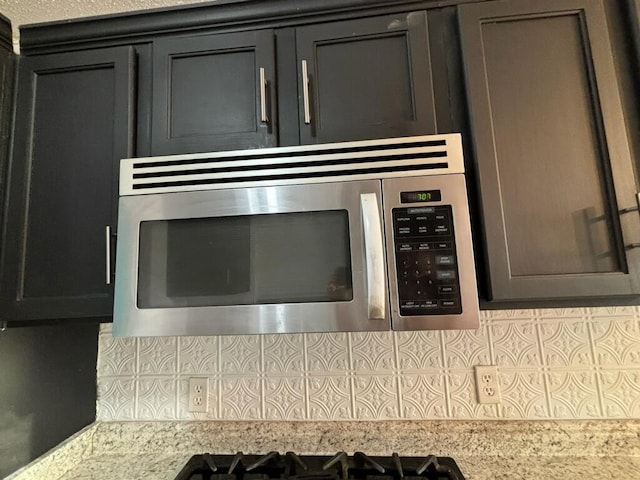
x,y
22,12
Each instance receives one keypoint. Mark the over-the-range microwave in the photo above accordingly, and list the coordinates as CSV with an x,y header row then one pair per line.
x,y
358,236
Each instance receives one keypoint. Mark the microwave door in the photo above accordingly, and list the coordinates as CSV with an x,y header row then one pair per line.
x,y
287,258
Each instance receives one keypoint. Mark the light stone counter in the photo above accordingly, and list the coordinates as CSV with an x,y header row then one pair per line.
x,y
483,450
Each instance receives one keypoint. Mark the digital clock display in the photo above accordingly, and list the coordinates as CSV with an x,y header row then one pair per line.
x,y
420,197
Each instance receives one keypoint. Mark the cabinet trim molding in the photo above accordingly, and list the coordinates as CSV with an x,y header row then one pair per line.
x,y
142,25
6,35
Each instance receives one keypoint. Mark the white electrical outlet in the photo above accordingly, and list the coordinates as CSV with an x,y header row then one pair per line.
x,y
487,384
198,394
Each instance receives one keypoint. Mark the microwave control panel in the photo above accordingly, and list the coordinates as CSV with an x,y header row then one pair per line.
x,y
425,258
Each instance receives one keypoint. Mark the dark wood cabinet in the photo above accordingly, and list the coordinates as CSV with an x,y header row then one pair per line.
x,y
555,174
74,122
361,79
365,78
208,95
542,91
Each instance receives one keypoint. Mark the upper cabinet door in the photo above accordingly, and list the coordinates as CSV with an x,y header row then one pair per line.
x,y
556,178
363,79
214,92
74,122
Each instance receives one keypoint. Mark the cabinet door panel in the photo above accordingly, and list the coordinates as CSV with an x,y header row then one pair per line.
x,y
368,78
553,158
207,93
73,125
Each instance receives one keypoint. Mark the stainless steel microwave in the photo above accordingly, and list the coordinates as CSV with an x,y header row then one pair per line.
x,y
356,236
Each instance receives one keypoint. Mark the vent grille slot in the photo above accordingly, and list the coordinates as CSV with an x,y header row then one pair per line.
x,y
428,155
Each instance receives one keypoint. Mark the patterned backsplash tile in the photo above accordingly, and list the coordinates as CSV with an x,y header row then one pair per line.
x,y
574,363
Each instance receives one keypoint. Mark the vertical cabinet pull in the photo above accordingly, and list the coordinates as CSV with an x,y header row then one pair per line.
x,y
305,92
635,245
629,210
107,251
263,97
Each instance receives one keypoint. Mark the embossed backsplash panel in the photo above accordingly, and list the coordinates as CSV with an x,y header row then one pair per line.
x,y
553,364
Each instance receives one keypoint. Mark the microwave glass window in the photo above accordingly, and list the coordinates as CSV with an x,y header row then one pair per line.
x,y
245,260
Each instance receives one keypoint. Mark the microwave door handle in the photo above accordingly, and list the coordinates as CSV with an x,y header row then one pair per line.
x,y
374,256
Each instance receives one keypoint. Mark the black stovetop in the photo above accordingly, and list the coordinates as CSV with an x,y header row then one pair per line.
x,y
341,466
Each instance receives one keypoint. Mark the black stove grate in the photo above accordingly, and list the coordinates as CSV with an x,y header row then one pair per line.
x,y
274,466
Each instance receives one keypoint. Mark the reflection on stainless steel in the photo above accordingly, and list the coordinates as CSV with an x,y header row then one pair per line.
x,y
339,287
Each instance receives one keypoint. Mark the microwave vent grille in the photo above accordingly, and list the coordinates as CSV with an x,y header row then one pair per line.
x,y
423,155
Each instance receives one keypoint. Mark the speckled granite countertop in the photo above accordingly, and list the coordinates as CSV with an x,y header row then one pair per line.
x,y
483,450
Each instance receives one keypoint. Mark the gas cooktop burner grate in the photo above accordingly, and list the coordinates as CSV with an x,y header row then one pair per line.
x,y
341,466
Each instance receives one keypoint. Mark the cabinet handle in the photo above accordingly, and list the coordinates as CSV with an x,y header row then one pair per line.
x,y
635,245
263,97
107,236
305,92
629,210
374,256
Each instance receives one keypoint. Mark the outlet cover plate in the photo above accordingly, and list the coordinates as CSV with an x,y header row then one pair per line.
x,y
487,384
198,394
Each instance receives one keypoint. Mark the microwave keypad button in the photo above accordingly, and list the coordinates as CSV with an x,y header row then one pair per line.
x,y
446,289
444,260
445,274
442,229
405,247
427,272
450,303
429,304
